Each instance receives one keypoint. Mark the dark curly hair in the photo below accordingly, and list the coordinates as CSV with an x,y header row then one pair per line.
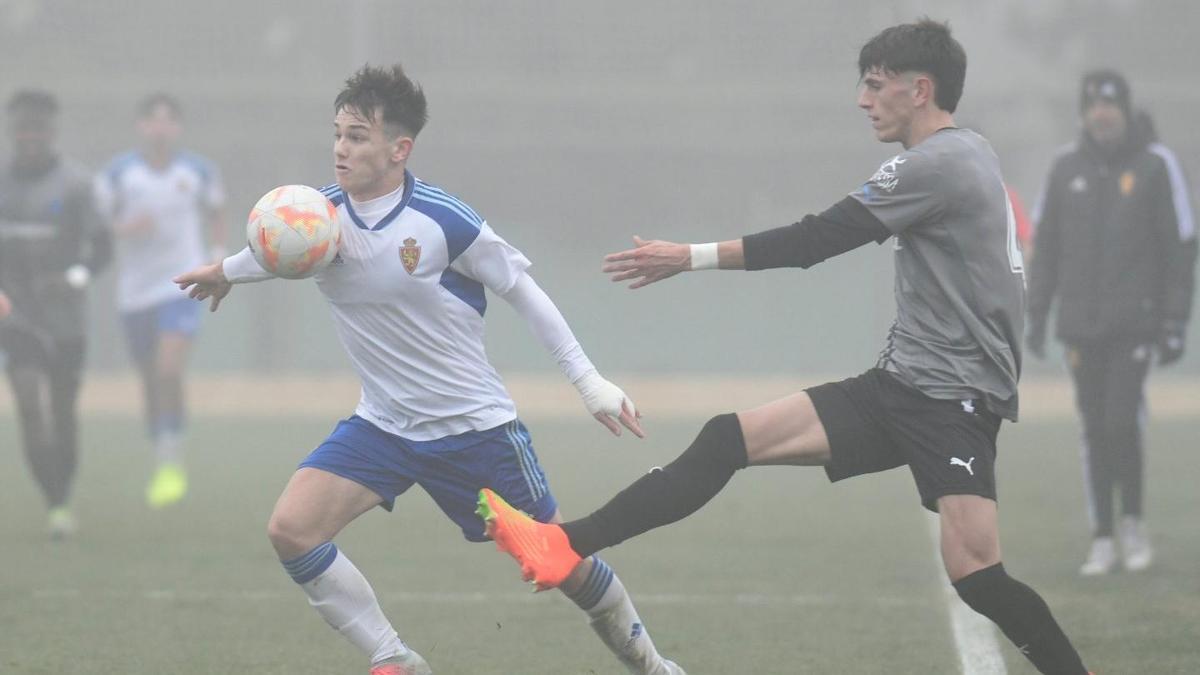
x,y
925,46
399,100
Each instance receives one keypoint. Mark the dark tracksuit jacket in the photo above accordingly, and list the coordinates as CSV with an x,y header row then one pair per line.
x,y
1115,241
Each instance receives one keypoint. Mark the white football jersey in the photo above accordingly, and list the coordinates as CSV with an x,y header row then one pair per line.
x,y
177,198
407,294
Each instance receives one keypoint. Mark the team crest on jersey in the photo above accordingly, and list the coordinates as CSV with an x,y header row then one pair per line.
x,y
1127,183
886,177
410,255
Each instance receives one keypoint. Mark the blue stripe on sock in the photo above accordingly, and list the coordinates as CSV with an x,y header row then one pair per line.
x,y
310,565
593,588
582,590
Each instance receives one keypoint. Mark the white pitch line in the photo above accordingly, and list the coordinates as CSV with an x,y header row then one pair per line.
x,y
464,597
974,634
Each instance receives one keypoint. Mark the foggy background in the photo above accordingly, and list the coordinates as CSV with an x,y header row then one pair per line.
x,y
572,126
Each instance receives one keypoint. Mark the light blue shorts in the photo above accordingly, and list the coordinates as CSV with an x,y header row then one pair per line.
x,y
143,327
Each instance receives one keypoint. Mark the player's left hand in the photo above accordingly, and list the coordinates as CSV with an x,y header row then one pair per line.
x,y
206,281
605,401
651,261
5,306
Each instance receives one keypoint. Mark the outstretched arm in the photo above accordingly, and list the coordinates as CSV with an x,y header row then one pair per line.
x,y
602,398
215,280
840,228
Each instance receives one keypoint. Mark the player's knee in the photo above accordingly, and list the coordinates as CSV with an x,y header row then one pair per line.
x,y
719,444
168,368
1119,431
964,554
289,537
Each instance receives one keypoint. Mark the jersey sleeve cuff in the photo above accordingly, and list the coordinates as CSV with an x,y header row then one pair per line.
x,y
241,267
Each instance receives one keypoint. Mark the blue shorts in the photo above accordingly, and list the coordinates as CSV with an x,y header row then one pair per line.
x,y
143,327
452,470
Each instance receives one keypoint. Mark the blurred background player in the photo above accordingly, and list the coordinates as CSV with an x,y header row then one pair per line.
x,y
162,202
51,245
407,295
945,380
1116,245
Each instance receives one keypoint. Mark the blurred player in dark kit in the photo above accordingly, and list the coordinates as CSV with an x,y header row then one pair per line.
x,y
51,245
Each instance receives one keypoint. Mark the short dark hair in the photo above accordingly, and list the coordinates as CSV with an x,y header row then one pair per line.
x,y
151,102
38,102
399,100
924,46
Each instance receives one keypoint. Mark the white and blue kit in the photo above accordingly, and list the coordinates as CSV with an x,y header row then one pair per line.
x,y
407,294
177,198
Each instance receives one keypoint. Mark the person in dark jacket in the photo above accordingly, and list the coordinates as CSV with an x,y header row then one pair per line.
x,y
51,244
1116,243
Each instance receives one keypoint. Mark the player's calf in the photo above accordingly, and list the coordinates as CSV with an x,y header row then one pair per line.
x,y
667,494
346,601
595,589
1023,617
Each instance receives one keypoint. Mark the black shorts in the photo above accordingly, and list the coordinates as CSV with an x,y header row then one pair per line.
x,y
875,422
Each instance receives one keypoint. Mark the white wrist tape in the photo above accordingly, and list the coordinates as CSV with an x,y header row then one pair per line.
x,y
704,256
601,396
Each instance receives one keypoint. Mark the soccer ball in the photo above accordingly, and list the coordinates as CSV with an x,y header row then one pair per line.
x,y
293,231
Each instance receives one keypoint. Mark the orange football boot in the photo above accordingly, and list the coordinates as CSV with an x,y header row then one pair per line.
x,y
541,549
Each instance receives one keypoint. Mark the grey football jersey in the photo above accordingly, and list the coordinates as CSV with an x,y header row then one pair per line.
x,y
47,224
960,284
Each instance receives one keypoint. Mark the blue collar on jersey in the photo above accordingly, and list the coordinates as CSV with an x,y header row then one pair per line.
x,y
409,184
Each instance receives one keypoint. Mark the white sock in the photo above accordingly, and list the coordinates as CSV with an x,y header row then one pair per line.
x,y
168,448
615,620
344,598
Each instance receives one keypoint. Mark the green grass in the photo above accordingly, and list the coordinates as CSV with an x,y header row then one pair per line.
x,y
782,573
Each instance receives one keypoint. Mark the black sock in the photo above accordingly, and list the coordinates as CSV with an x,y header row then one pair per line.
x,y
1023,617
668,494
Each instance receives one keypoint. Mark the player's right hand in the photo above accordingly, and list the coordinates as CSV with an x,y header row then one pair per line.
x,y
206,281
652,261
5,306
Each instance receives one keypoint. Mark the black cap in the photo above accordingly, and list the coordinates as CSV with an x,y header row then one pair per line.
x,y
1105,85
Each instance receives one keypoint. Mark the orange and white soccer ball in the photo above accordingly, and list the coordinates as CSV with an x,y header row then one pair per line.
x,y
293,231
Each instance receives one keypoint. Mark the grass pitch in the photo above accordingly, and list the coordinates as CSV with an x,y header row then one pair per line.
x,y
782,573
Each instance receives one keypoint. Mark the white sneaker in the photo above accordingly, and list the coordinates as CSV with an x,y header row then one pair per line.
x,y
410,663
672,668
1136,552
1102,558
